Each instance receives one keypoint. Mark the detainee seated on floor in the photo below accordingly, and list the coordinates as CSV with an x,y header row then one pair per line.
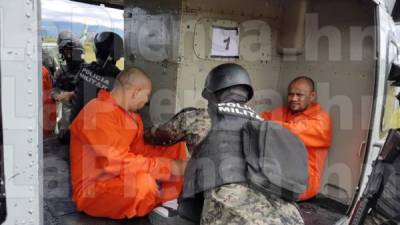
x,y
242,170
114,173
304,116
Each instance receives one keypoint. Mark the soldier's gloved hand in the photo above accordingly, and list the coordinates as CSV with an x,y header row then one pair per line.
x,y
178,167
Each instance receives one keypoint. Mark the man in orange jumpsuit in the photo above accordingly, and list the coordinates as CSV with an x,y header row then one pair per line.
x,y
49,106
114,173
306,118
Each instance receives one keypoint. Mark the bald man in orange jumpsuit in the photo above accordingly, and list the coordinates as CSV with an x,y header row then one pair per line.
x,y
114,173
305,118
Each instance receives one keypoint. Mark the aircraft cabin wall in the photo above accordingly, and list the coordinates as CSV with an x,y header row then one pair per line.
x,y
178,43
152,38
340,56
258,24
172,41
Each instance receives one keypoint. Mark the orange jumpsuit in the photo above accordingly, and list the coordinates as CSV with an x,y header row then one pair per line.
x,y
114,173
49,106
313,127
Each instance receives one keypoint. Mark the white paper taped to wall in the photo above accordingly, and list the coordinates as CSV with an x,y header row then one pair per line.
x,y
225,42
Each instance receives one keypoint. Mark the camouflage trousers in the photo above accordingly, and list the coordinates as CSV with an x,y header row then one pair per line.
x,y
238,204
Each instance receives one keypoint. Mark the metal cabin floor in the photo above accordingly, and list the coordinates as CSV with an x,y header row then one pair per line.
x,y
58,206
60,210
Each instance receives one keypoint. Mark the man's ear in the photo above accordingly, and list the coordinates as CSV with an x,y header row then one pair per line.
x,y
135,92
313,96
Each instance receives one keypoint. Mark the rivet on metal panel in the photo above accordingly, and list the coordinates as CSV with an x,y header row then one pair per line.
x,y
30,104
30,211
30,140
29,53
29,66
28,2
30,92
30,129
28,15
31,188
30,154
10,52
29,28
28,41
30,200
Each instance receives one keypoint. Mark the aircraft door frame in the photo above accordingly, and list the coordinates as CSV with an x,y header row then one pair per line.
x,y
384,34
21,106
3,206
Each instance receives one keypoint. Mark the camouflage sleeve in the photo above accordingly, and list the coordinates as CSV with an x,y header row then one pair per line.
x,y
56,90
170,132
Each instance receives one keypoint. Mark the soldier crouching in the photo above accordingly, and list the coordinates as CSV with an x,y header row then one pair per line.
x,y
216,187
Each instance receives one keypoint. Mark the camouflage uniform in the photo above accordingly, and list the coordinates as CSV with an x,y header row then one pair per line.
x,y
231,203
191,125
239,204
65,80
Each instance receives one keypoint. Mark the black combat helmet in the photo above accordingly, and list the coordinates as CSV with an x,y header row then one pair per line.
x,y
108,44
225,76
66,41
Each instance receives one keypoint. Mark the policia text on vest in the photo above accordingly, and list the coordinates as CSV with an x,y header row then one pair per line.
x,y
237,109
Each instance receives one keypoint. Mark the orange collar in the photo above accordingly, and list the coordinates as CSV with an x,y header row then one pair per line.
x,y
106,96
312,110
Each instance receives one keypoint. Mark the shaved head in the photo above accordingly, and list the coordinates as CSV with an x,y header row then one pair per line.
x,y
305,79
301,94
132,89
132,78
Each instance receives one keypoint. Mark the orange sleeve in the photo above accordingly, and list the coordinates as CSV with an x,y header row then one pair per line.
x,y
315,132
113,148
266,115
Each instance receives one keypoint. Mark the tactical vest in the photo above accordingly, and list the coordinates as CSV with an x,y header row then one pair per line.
x,y
91,78
219,159
65,78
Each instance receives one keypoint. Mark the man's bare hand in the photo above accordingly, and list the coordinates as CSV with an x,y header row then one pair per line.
x,y
178,167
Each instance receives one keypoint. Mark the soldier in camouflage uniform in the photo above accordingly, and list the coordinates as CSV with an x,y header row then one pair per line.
x,y
228,203
71,51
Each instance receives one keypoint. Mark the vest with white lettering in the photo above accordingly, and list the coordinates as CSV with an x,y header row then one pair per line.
x,y
219,159
91,78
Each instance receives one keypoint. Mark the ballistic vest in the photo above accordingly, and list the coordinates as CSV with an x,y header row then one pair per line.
x,y
219,159
91,78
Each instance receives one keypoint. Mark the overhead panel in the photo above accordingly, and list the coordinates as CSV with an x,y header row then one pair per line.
x,y
118,4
